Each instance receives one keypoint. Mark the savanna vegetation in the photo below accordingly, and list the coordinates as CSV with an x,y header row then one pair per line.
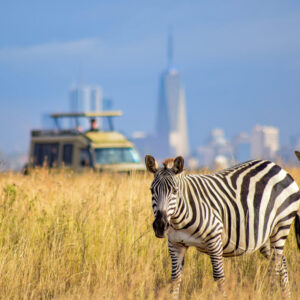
x,y
89,236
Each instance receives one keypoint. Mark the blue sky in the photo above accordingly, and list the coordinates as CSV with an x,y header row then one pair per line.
x,y
239,62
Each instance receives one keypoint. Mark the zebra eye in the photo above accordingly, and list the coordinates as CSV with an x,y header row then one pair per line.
x,y
174,190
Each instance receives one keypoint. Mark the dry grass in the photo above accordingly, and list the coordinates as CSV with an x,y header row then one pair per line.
x,y
70,236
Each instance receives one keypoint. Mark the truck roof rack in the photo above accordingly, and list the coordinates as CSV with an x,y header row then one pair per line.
x,y
94,114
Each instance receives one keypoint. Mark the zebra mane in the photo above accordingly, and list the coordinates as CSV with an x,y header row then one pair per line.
x,y
237,166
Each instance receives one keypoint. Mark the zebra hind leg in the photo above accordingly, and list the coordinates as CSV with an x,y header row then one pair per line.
x,y
278,263
277,241
284,280
177,254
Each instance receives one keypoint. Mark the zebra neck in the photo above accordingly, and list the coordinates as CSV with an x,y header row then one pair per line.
x,y
191,202
188,203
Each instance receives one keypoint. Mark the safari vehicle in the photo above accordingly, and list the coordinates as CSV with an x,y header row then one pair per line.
x,y
101,150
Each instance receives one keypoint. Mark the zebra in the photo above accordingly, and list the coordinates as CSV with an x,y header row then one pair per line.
x,y
297,153
239,210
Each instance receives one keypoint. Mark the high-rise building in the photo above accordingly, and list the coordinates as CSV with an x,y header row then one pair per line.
x,y
85,98
217,153
171,123
264,142
242,147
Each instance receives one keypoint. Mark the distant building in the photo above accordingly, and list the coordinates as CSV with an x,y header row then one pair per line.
x,y
85,98
217,153
264,142
242,147
107,104
171,123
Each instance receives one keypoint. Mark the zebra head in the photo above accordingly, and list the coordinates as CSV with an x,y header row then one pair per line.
x,y
164,189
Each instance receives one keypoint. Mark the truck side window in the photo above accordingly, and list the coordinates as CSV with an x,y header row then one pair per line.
x,y
67,154
45,153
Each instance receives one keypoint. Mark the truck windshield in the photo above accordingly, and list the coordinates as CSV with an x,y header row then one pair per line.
x,y
116,156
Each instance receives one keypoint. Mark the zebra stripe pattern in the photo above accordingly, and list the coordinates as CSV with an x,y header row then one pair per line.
x,y
239,210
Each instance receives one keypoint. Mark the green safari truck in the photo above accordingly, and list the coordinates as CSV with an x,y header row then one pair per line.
x,y
97,149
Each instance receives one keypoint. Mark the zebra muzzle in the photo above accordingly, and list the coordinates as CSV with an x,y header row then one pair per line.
x,y
160,225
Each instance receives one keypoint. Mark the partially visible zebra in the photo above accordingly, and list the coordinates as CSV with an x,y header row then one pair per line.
x,y
239,210
297,154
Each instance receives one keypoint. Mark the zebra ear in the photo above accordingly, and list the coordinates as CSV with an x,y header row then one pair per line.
x,y
297,154
178,164
151,164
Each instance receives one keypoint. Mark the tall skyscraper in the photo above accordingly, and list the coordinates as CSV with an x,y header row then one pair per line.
x,y
264,142
171,123
84,98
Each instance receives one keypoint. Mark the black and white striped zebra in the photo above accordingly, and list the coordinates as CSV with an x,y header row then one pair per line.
x,y
239,210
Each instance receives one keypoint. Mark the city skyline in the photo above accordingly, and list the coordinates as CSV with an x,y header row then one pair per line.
x,y
171,132
239,63
261,143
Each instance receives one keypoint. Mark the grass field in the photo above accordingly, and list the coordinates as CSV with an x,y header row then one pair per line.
x,y
89,236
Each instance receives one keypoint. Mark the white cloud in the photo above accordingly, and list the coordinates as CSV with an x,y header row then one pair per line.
x,y
264,38
95,53
50,50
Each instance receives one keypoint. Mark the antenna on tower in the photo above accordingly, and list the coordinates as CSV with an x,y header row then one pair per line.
x,y
170,48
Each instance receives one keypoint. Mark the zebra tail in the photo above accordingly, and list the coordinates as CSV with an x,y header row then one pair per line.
x,y
297,228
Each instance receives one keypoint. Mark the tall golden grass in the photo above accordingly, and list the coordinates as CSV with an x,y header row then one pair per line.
x,y
89,236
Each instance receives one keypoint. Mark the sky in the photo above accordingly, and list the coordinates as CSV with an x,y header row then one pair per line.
x,y
239,62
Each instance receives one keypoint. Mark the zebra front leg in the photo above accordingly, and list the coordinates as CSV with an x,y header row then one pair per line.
x,y
215,248
177,254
